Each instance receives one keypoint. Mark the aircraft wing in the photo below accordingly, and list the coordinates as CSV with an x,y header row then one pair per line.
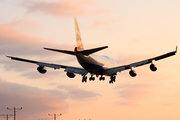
x,y
71,69
114,70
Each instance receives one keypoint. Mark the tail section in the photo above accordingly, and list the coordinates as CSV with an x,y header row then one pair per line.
x,y
79,48
78,35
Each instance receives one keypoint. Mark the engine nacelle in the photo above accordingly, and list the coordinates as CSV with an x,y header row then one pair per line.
x,y
41,69
153,67
132,73
70,75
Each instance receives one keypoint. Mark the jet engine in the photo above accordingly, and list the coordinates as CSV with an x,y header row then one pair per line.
x,y
132,73
41,69
153,67
70,75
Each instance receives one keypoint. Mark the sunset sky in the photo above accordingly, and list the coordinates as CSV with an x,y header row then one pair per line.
x,y
133,30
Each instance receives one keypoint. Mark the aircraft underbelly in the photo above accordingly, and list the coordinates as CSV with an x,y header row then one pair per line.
x,y
90,64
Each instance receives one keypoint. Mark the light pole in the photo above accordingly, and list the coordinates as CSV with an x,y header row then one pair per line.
x,y
55,115
6,115
14,110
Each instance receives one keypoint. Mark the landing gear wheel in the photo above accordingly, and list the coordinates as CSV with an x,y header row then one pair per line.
x,y
92,78
84,79
112,79
110,82
102,78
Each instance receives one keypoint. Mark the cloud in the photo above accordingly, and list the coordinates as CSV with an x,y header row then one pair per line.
x,y
24,23
32,100
24,43
131,93
36,102
107,21
21,44
128,59
103,22
79,94
65,8
18,41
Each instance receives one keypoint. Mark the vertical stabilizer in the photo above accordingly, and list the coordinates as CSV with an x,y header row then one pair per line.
x,y
78,35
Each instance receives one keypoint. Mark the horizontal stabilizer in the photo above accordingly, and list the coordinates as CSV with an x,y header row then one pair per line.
x,y
90,51
63,51
84,52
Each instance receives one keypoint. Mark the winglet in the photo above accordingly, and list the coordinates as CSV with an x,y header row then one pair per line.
x,y
5,54
176,48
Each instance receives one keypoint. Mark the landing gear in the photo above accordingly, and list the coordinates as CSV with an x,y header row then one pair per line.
x,y
92,78
112,79
102,78
84,78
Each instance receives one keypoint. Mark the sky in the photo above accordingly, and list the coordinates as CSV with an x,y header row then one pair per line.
x,y
133,30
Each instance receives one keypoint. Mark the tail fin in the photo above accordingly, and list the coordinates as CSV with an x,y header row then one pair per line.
x,y
78,35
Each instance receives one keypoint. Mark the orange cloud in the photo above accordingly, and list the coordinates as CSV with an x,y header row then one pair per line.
x,y
38,102
24,43
132,92
65,8
9,34
21,44
31,99
106,21
24,23
78,94
128,59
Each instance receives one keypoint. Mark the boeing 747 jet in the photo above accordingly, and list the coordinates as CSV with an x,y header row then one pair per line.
x,y
95,65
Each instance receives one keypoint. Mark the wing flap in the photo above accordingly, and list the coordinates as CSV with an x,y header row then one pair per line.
x,y
49,65
112,71
76,70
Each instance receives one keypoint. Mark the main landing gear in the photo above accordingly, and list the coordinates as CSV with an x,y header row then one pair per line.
x,y
84,78
92,78
112,79
102,78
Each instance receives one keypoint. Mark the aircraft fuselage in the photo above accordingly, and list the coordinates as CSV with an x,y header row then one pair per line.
x,y
95,64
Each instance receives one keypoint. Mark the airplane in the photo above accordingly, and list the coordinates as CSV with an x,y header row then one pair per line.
x,y
92,63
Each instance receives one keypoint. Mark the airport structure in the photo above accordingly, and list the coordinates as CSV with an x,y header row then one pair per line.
x,y
55,115
14,110
6,115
